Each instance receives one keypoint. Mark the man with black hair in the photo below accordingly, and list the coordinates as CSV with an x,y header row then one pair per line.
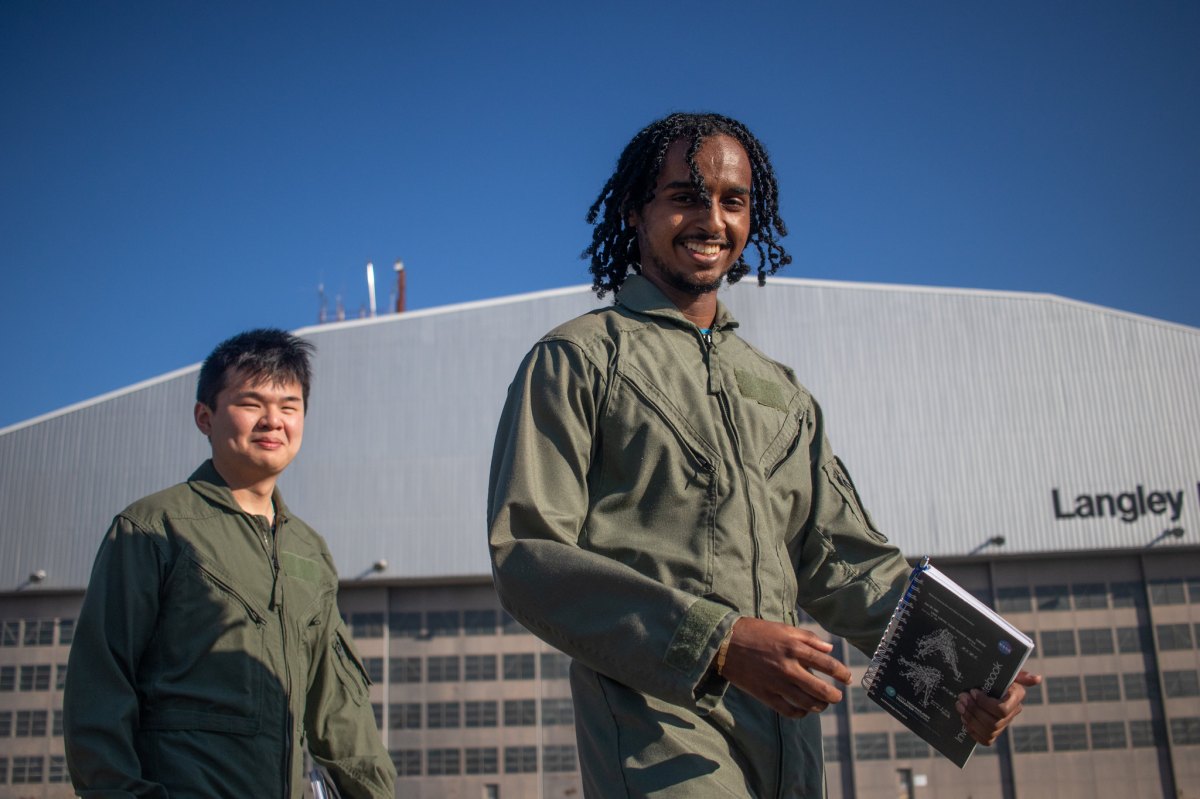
x,y
210,653
663,498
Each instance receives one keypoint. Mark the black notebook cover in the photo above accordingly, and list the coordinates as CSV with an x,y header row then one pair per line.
x,y
941,642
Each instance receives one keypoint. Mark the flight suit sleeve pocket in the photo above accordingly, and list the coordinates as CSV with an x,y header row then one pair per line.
x,y
837,475
348,666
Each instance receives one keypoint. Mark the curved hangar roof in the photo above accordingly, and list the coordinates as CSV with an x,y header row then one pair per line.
x,y
963,415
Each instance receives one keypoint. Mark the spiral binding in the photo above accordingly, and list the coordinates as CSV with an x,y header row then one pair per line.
x,y
895,625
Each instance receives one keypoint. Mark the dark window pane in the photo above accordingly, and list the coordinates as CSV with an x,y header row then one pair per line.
x,y
1102,687
1069,737
871,746
1013,599
405,625
1058,643
1134,639
1089,595
1174,636
1096,641
366,625
1051,598
443,623
1181,683
1062,690
1167,592
1108,735
479,622
405,670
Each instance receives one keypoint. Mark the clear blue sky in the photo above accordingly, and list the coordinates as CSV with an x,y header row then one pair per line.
x,y
174,172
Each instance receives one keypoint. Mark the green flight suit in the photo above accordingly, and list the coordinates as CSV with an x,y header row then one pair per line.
x,y
210,652
648,487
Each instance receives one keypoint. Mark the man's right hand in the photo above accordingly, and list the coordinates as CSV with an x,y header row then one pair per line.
x,y
775,663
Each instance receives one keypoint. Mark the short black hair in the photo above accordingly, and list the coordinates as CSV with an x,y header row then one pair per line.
x,y
614,248
264,355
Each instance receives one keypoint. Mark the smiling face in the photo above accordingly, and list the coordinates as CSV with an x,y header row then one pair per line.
x,y
686,246
255,429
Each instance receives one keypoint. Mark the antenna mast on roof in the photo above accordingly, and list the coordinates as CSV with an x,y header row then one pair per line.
x,y
323,308
400,285
371,287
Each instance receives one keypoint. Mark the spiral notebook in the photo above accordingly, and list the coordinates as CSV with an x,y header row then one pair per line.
x,y
940,642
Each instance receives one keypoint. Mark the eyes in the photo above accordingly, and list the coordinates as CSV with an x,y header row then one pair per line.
x,y
688,199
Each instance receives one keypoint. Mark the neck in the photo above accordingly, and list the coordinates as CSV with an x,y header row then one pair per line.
x,y
699,309
252,494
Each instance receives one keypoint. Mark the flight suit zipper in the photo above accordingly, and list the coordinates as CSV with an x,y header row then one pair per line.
x,y
727,417
278,606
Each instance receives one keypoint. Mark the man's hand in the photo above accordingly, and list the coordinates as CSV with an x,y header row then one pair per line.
x,y
984,717
775,662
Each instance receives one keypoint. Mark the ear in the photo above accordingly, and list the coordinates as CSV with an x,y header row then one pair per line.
x,y
203,416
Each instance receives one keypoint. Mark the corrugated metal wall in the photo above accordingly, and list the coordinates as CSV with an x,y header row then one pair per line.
x,y
957,412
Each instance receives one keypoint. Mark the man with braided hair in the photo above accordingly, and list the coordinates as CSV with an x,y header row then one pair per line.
x,y
663,498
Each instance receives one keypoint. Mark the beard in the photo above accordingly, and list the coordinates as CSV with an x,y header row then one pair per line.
x,y
681,281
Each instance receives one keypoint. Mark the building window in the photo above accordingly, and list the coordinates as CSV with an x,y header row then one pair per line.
x,y
520,713
404,715
1181,683
60,676
404,670
1183,731
1193,586
39,632
31,723
58,769
366,625
834,748
1174,636
1069,737
557,711
6,719
482,760
27,769
1102,687
555,666
558,758
404,625
480,622
1062,690
56,728
871,746
520,759
1052,598
860,702
1139,686
1134,639
1145,734
1030,738
1128,595
1058,643
407,762
1034,695
66,631
1108,735
35,678
1088,596
374,669
910,745
481,714
480,668
442,715
1096,641
518,666
443,623
1167,592
10,632
443,762
1013,599
8,678
510,626
442,668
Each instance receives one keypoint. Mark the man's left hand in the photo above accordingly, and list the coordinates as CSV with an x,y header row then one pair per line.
x,y
984,717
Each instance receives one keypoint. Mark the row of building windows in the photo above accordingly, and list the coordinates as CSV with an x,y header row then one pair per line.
x,y
556,758
434,624
1096,596
1106,641
32,677
1026,738
30,723
1084,688
471,668
36,632
481,713
33,769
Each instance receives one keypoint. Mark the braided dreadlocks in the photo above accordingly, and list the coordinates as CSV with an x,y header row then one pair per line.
x,y
614,249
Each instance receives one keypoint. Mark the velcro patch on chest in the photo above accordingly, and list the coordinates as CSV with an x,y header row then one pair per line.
x,y
762,391
300,568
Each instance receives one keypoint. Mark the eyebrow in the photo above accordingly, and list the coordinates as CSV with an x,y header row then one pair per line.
x,y
252,394
687,184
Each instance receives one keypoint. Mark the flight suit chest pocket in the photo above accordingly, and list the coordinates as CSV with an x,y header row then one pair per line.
x,y
349,668
208,659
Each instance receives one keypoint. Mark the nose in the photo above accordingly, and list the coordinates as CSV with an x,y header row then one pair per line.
x,y
712,219
271,419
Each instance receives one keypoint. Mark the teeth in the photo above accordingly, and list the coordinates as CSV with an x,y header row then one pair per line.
x,y
702,248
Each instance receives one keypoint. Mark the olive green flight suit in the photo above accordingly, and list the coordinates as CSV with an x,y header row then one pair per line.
x,y
209,653
649,486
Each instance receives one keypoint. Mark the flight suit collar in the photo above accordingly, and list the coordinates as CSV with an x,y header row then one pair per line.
x,y
641,296
208,483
